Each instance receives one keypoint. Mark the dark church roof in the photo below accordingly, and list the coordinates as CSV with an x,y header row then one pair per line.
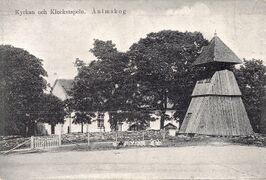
x,y
217,52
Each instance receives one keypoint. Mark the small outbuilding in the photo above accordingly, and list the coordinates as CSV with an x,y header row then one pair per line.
x,y
171,129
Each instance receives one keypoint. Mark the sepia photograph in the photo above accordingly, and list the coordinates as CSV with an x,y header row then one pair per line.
x,y
132,89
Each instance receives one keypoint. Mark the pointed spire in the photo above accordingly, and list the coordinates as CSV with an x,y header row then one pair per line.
x,y
215,34
217,52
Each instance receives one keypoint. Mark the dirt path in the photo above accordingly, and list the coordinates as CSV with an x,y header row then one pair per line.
x,y
199,162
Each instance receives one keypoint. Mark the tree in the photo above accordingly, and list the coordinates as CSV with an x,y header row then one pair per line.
x,y
106,85
154,70
21,84
251,79
162,69
52,112
96,85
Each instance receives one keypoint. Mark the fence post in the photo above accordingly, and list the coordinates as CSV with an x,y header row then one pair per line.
x,y
116,136
87,128
32,142
164,134
60,135
59,139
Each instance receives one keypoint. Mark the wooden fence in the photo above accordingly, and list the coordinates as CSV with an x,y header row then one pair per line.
x,y
43,142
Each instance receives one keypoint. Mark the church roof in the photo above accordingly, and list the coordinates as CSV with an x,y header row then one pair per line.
x,y
170,126
217,52
67,84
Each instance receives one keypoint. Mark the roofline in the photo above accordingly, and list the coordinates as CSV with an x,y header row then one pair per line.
x,y
52,88
213,62
219,95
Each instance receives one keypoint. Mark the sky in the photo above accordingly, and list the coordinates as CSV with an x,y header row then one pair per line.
x,y
58,39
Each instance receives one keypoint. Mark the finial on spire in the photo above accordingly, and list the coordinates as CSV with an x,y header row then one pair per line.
x,y
215,34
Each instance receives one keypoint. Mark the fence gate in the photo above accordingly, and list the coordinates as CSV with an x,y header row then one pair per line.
x,y
42,142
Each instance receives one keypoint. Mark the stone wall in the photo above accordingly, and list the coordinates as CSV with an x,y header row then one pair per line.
x,y
111,136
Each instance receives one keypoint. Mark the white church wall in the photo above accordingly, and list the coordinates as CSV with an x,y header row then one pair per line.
x,y
59,92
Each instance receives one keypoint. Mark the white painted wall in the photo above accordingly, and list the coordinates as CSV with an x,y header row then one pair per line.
x,y
59,92
93,127
47,128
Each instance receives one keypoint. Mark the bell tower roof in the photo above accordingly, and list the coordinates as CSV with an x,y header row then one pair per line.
x,y
215,53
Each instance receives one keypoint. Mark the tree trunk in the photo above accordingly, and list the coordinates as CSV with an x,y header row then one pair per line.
x,y
52,128
162,120
35,132
26,131
30,129
30,126
164,107
82,127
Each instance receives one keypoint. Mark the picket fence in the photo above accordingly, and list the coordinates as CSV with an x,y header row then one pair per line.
x,y
42,142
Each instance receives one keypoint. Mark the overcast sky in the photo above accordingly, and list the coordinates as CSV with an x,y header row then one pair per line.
x,y
60,39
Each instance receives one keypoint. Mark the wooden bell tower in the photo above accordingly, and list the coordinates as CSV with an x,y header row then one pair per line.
x,y
216,107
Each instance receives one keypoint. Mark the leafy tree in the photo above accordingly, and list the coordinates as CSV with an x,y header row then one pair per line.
x,y
105,84
251,79
21,85
154,70
162,69
97,85
52,111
